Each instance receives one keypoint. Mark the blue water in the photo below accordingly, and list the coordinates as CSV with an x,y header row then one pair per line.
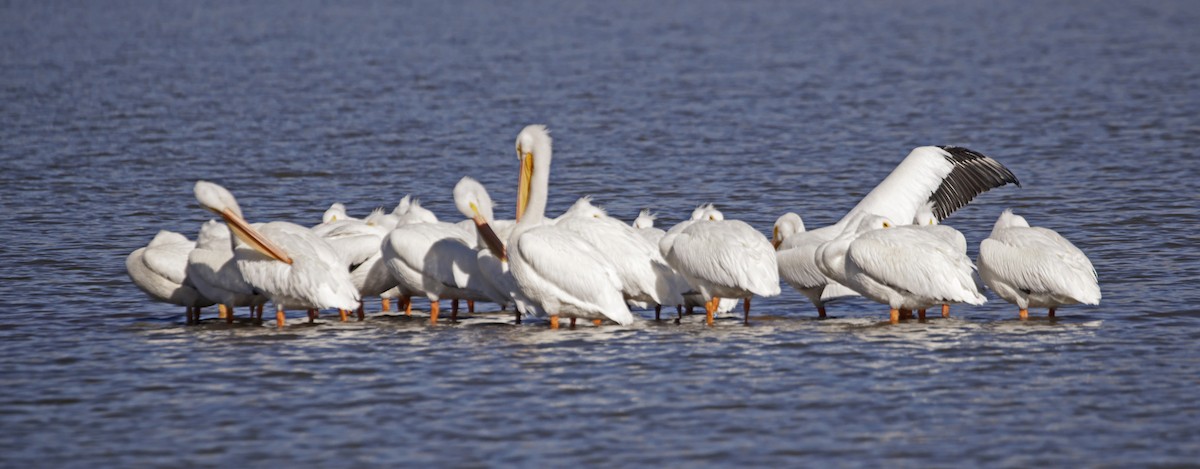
x,y
111,110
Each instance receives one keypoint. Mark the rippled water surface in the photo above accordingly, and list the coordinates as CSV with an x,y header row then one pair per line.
x,y
111,110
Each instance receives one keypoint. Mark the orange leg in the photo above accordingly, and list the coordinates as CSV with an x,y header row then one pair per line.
x,y
554,321
1024,313
1051,313
222,311
280,319
454,310
710,308
921,314
343,315
895,316
821,311
596,322
385,304
312,315
945,310
746,311
433,312
407,302
470,306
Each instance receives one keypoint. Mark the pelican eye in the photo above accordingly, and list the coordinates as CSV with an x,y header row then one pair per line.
x,y
887,225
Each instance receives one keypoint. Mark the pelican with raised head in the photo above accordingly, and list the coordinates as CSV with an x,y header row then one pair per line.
x,y
554,267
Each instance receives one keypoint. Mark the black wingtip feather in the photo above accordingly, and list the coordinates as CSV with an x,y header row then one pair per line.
x,y
974,173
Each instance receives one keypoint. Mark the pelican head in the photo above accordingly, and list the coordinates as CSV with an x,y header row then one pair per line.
x,y
645,219
707,212
212,235
788,224
219,200
584,208
533,149
416,213
402,207
925,215
336,212
473,201
1008,219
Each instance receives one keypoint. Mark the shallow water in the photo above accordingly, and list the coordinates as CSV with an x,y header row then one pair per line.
x,y
112,110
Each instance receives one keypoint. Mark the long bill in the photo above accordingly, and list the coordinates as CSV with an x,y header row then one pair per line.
x,y
524,183
775,239
251,236
489,237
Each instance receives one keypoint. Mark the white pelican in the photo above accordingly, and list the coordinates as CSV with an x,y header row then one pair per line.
x,y
794,250
947,176
904,267
286,262
160,271
434,259
555,268
1035,267
724,259
646,278
692,298
213,270
473,201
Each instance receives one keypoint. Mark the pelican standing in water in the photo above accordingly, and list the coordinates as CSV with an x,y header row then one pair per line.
x,y
904,267
473,201
724,259
555,268
794,250
214,271
1035,267
286,262
160,271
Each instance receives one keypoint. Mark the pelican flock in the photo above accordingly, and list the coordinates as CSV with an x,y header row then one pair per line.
x,y
890,248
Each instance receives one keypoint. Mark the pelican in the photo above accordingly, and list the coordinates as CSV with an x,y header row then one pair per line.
x,y
947,176
286,262
555,268
725,259
434,259
794,250
692,298
160,270
473,201
646,278
213,270
1035,267
904,267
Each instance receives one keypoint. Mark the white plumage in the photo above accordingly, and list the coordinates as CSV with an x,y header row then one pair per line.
x,y
795,251
289,264
905,267
212,268
724,259
160,270
1035,267
645,275
948,177
434,259
555,268
474,202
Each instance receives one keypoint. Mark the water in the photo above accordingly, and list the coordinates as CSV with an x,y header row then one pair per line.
x,y
112,110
